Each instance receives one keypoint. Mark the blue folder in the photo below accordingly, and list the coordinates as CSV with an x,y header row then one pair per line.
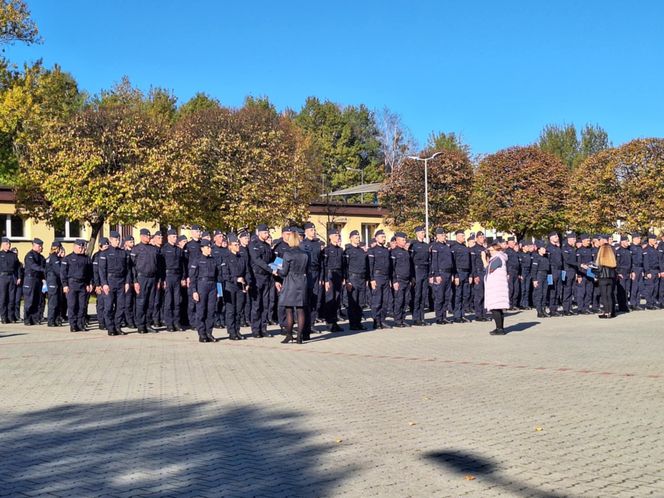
x,y
220,290
563,275
277,264
590,273
549,279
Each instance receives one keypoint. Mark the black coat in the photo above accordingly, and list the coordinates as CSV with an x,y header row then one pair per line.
x,y
294,271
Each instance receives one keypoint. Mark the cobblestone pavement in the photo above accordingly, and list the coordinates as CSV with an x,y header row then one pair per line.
x,y
558,407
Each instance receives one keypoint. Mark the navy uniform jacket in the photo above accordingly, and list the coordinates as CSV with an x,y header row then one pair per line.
x,y
260,257
525,263
8,262
145,261
570,260
637,256
205,269
113,262
624,260
380,262
76,267
461,258
651,261
420,254
513,265
584,256
441,259
232,267
173,260
355,262
333,261
95,268
280,248
192,251
555,256
218,253
541,265
53,268
34,266
660,250
402,265
314,250
476,265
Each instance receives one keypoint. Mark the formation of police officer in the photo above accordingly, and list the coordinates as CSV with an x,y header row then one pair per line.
x,y
219,280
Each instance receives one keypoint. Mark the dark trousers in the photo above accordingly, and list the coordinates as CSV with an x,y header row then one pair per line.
x,y
461,294
622,291
636,287
31,299
605,286
356,298
556,291
207,293
584,292
172,300
333,297
541,292
650,288
380,298
16,294
314,293
130,307
101,311
191,309
234,299
55,300
144,300
157,316
6,305
514,287
569,288
401,300
526,289
114,304
442,295
76,304
420,293
260,302
478,297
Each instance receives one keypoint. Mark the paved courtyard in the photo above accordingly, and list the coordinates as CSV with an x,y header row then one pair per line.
x,y
558,407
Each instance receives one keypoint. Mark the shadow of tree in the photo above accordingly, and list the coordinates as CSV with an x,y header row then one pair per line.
x,y
143,447
465,463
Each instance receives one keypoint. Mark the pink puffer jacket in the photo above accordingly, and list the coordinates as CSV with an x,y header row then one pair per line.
x,y
496,289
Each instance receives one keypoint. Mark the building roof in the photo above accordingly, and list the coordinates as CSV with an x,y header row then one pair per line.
x,y
365,188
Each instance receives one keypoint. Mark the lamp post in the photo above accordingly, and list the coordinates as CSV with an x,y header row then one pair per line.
x,y
426,187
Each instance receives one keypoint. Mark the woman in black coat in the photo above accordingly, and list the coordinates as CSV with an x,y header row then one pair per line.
x,y
294,295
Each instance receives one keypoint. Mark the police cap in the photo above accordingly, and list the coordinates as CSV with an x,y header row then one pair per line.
x,y
333,231
145,231
5,239
181,238
652,236
39,242
309,225
570,235
232,238
55,243
624,237
379,232
172,231
401,235
79,242
354,233
103,241
511,239
459,232
419,229
440,231
205,243
157,233
195,227
540,244
262,228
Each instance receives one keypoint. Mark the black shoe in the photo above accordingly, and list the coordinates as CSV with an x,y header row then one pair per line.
x,y
111,332
142,331
651,307
211,338
400,325
203,339
358,327
482,319
150,328
376,325
266,334
567,313
335,328
49,324
287,339
498,332
131,325
461,320
554,313
541,314
73,329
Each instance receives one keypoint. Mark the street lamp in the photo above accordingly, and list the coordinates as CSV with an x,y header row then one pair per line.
x,y
426,187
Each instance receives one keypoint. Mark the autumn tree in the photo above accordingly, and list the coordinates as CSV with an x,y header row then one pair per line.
x,y
520,190
619,188
396,141
16,24
94,166
447,141
450,177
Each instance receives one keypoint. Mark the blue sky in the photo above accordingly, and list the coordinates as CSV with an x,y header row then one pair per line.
x,y
494,71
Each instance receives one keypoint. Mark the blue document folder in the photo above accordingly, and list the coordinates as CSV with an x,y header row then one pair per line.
x,y
590,273
549,279
220,290
277,264
563,275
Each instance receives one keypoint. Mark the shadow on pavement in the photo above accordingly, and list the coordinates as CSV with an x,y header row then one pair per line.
x,y
169,449
520,327
465,463
11,335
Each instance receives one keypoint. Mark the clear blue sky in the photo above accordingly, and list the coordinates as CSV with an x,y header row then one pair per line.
x,y
494,71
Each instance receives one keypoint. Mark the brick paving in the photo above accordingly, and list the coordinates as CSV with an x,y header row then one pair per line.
x,y
558,407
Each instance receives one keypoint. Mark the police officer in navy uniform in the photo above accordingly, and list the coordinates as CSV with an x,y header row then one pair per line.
x,y
660,251
420,255
279,248
380,277
76,284
442,274
525,277
541,270
244,238
35,274
56,298
204,274
402,275
260,257
513,272
129,317
145,270
637,273
478,272
355,275
311,244
623,271
462,269
173,260
584,283
651,271
570,266
236,281
115,279
555,255
333,262
219,251
8,275
192,252
96,283
157,316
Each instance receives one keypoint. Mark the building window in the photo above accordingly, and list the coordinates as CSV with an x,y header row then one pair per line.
x,y
334,226
68,230
14,227
368,230
124,230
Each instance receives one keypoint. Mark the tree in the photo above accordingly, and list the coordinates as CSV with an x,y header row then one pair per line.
x,y
396,141
347,142
15,23
564,142
94,166
620,188
450,179
446,141
520,190
198,102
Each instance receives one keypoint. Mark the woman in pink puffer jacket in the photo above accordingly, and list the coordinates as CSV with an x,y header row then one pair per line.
x,y
496,289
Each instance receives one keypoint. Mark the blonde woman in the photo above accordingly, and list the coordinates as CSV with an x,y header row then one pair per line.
x,y
606,279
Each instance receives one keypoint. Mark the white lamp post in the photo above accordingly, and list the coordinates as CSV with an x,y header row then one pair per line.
x,y
426,188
